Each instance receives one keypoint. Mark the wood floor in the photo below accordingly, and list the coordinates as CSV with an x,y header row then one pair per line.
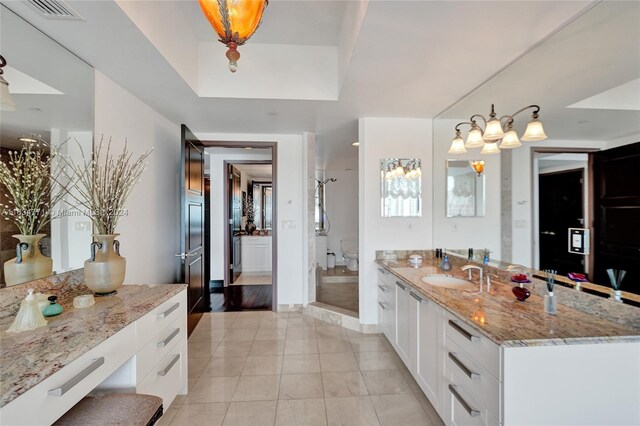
x,y
241,298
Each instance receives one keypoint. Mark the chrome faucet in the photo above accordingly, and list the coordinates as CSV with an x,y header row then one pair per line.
x,y
470,269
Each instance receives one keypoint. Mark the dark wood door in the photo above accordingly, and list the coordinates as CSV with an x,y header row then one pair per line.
x,y
616,176
235,225
192,225
561,208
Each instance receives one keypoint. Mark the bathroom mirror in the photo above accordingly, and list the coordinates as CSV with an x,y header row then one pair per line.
x,y
595,117
401,187
54,95
465,188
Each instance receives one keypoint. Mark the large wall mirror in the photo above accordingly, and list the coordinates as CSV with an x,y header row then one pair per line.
x,y
584,176
401,187
53,91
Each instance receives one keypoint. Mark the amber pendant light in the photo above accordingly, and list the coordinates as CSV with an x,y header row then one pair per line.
x,y
234,21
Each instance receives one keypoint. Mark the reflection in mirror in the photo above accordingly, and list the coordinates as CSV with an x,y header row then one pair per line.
x,y
401,187
590,94
53,104
465,188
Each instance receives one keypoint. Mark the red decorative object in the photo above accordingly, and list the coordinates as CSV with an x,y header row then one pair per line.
x,y
521,293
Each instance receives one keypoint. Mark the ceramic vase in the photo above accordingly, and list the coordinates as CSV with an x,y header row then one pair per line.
x,y
250,227
104,271
29,263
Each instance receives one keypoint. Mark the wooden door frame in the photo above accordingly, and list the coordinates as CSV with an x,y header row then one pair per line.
x,y
535,203
274,229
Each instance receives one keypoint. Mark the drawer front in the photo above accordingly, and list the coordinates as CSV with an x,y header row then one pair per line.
x,y
482,385
385,276
158,319
50,399
480,348
158,347
463,409
168,377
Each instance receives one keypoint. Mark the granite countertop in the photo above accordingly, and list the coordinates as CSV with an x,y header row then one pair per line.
x,y
30,357
581,318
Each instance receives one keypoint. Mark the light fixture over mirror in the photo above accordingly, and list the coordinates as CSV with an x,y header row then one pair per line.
x,y
493,137
234,21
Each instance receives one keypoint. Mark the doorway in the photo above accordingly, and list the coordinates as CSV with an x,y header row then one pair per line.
x,y
243,243
562,200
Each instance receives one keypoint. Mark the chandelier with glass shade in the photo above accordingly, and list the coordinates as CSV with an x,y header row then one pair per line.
x,y
234,21
498,133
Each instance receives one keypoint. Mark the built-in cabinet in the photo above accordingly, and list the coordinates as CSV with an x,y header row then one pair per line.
x,y
456,368
471,380
256,254
148,356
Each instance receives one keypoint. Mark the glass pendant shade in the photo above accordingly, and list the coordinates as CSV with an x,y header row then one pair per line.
x,y
474,138
490,148
478,166
6,102
534,132
510,140
457,146
493,131
234,21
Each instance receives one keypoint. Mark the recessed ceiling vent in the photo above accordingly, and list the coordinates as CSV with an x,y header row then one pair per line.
x,y
54,9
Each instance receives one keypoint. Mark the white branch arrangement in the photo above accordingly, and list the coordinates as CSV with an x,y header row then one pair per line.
x,y
28,176
103,183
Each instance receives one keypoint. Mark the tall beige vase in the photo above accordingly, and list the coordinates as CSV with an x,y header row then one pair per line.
x,y
104,271
29,263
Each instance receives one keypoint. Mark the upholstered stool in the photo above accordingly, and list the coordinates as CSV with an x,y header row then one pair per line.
x,y
115,409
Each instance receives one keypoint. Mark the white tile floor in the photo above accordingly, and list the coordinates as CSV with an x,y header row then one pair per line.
x,y
263,368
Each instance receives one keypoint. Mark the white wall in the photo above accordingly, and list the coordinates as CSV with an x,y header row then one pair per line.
x,y
464,232
216,160
390,138
291,193
342,209
150,233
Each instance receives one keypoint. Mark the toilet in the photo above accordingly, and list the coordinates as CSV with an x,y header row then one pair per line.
x,y
349,248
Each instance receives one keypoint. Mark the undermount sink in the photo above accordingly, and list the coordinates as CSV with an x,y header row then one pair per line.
x,y
447,281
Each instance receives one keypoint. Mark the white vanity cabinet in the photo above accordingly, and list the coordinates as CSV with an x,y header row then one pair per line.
x,y
256,253
404,322
429,341
147,356
387,305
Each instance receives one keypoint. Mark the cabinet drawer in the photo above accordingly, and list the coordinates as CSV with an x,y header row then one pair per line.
x,y
463,409
158,319
483,386
476,345
50,399
167,377
385,276
158,347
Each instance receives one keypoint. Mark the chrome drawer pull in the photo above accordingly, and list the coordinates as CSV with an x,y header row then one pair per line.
x,y
402,286
383,271
95,363
166,341
463,367
168,367
464,332
168,311
383,288
384,308
418,298
472,412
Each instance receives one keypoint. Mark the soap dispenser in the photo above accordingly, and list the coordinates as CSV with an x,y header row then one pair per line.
x,y
53,308
445,265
